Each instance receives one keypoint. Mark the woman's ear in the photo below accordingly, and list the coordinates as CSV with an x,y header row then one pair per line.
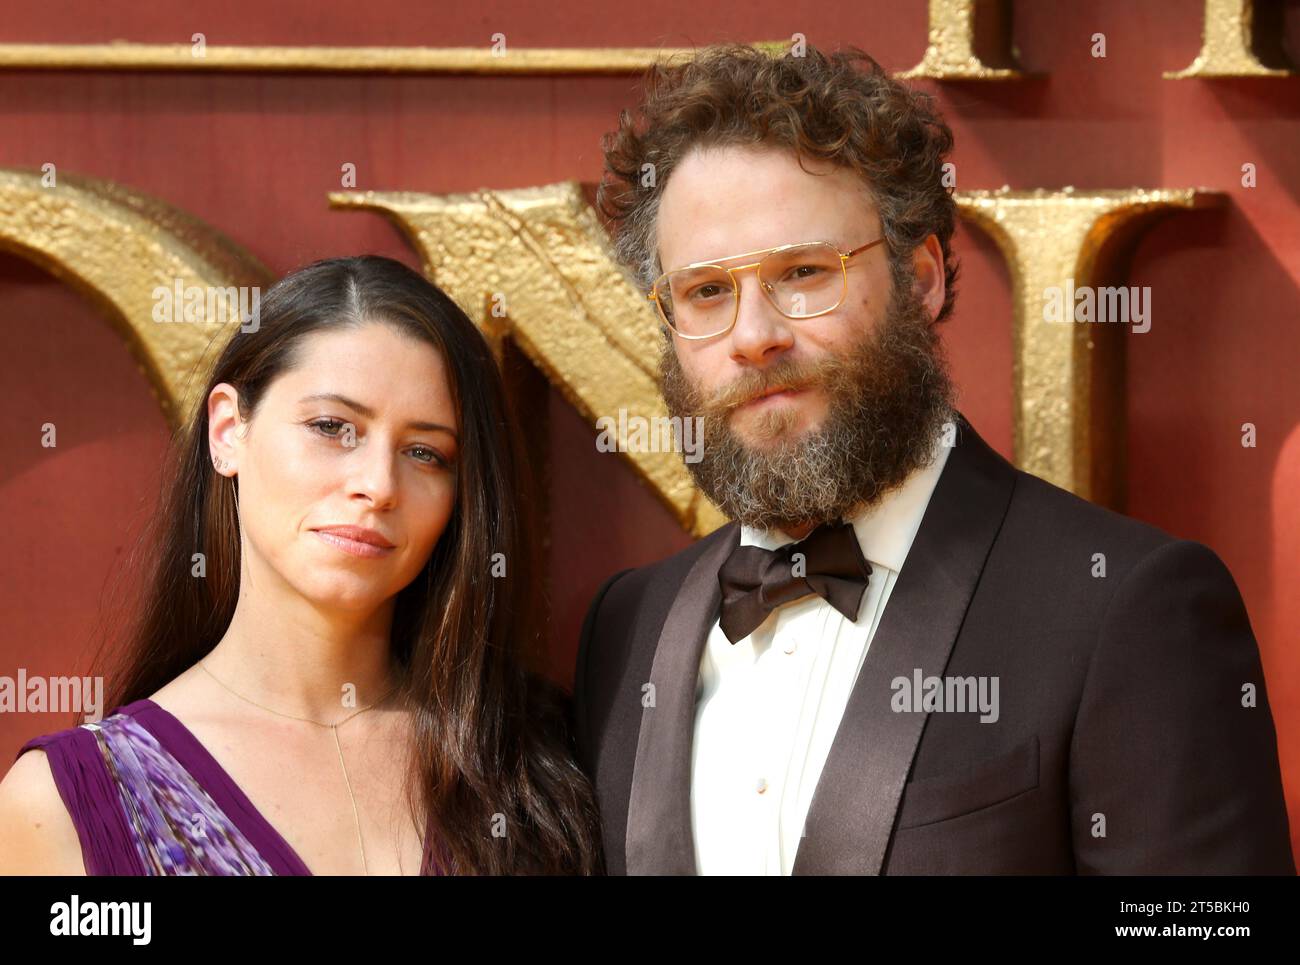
x,y
226,430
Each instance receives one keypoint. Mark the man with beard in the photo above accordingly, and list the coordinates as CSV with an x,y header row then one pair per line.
x,y
901,656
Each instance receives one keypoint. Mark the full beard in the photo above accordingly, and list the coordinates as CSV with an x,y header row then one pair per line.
x,y
887,401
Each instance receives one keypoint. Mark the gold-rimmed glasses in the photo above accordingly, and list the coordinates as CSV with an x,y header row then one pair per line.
x,y
803,280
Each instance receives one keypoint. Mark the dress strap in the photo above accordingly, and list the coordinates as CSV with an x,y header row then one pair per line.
x,y
137,809
91,797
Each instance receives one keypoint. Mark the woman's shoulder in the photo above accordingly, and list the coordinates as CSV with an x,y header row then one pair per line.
x,y
40,836
57,789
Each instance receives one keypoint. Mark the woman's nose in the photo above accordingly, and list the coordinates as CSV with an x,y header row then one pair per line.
x,y
375,474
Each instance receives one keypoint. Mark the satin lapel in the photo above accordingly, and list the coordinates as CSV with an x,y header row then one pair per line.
x,y
659,837
852,812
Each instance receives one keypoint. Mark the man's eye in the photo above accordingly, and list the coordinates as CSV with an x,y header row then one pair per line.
x,y
705,292
803,272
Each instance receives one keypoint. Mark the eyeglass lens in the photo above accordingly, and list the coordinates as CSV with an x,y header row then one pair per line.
x,y
800,281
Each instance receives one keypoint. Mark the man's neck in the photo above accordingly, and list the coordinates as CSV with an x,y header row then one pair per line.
x,y
799,531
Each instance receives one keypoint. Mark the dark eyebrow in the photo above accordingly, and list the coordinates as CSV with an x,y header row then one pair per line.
x,y
369,413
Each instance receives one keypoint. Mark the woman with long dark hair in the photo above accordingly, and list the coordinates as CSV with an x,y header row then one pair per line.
x,y
328,671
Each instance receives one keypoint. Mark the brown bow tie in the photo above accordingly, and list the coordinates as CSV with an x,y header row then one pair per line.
x,y
754,581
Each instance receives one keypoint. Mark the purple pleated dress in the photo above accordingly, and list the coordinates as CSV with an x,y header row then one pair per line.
x,y
147,798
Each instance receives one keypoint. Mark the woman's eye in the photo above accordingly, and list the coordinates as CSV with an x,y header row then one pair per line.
x,y
334,429
323,427
430,458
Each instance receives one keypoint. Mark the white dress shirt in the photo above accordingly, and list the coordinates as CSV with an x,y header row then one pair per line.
x,y
768,706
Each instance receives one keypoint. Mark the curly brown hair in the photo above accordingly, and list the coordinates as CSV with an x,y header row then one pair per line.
x,y
819,105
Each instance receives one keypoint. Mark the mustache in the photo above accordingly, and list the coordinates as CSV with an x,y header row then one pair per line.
x,y
786,374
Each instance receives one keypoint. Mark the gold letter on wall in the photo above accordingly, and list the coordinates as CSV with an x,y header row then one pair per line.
x,y
117,247
1234,44
969,40
1069,376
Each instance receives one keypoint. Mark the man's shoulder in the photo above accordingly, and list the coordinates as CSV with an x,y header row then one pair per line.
x,y
1069,541
667,574
632,604
1072,520
1053,518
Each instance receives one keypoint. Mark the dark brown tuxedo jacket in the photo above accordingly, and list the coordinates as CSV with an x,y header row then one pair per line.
x,y
1122,745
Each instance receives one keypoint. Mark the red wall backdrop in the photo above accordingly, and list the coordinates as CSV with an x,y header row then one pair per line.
x,y
255,155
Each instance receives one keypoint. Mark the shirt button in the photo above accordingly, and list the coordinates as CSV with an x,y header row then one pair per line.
x,y
789,647
762,785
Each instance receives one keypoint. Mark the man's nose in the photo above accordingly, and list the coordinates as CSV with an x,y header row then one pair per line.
x,y
760,330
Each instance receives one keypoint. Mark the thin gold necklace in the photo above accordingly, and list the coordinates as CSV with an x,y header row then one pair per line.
x,y
334,728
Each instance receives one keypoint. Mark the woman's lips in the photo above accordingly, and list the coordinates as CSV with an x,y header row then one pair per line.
x,y
353,547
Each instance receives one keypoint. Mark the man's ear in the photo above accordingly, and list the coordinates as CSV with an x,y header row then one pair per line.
x,y
226,430
927,261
